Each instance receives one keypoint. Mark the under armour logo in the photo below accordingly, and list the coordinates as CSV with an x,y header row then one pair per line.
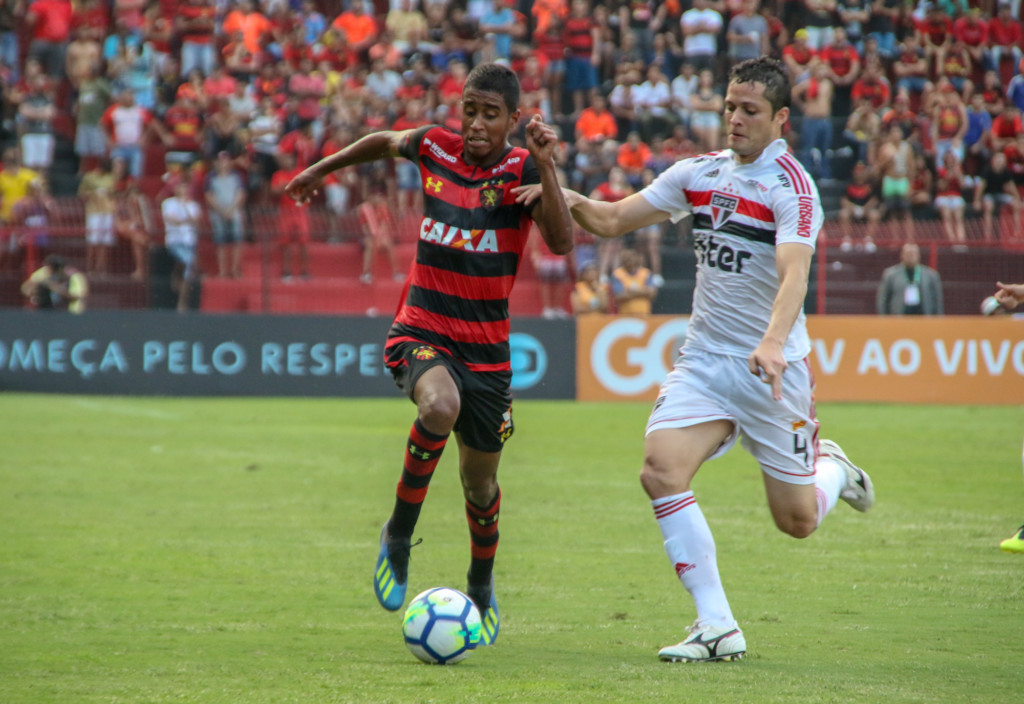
x,y
434,184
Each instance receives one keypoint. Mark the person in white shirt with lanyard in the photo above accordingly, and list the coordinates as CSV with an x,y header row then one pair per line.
x,y
742,370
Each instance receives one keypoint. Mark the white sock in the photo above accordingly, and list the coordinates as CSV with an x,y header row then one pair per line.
x,y
829,480
691,550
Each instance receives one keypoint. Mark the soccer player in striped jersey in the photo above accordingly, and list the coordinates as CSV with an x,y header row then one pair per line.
x,y
448,348
756,216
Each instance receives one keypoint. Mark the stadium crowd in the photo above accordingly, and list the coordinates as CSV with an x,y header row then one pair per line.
x,y
921,103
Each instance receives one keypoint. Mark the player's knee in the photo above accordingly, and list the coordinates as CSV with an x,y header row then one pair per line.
x,y
439,411
657,479
797,525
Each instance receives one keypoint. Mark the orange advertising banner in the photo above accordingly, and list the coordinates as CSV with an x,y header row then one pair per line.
x,y
952,359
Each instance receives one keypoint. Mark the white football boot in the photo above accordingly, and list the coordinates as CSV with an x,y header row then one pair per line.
x,y
859,492
707,644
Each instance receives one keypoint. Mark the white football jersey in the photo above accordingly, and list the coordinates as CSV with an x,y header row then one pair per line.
x,y
740,213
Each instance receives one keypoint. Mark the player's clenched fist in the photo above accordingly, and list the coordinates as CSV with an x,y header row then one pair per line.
x,y
304,186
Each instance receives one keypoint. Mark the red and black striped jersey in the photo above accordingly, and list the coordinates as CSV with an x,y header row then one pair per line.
x,y
471,241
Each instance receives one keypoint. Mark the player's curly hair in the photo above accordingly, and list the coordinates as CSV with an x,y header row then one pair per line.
x,y
496,78
768,72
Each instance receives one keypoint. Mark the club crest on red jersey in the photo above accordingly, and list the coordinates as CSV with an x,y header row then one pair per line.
x,y
491,195
424,353
723,206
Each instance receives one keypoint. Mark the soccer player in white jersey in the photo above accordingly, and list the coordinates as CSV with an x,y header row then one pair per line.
x,y
742,371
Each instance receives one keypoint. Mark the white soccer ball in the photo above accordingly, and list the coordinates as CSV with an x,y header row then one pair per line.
x,y
441,626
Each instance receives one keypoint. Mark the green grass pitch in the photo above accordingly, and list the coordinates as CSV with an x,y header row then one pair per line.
x,y
220,550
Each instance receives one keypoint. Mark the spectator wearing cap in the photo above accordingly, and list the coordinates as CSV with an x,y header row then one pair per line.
x,y
798,55
1005,36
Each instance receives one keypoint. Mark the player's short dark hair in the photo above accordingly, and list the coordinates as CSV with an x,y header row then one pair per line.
x,y
496,78
768,72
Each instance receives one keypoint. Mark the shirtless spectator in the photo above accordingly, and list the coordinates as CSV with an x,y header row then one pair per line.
x,y
896,166
813,97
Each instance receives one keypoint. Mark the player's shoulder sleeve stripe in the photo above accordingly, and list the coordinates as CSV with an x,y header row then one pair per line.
x,y
796,174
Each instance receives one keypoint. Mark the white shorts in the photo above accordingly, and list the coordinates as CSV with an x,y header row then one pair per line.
x,y
99,228
781,435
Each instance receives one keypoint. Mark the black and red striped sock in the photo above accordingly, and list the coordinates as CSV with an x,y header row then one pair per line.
x,y
421,455
483,535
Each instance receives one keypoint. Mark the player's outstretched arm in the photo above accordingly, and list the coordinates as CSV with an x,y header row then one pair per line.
x,y
372,147
599,217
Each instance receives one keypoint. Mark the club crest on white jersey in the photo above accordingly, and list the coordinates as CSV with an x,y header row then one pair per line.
x,y
723,206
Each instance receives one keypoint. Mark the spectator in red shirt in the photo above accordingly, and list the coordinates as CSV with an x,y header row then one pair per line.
x,y
128,127
450,84
358,28
843,64
92,20
935,33
378,224
596,123
1004,34
972,30
298,144
195,23
50,23
873,86
185,126
798,56
910,68
631,158
292,221
1006,126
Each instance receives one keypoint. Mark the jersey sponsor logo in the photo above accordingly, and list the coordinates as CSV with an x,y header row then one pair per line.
x,y
805,215
711,174
450,236
433,184
491,195
797,424
504,165
438,152
758,185
423,353
784,180
723,206
716,255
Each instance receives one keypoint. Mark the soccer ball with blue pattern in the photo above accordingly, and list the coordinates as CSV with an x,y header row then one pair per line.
x,y
441,626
